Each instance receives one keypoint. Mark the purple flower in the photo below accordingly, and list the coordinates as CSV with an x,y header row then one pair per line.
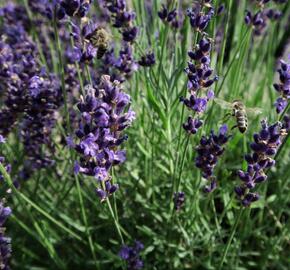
x,y
123,19
199,78
208,152
264,147
2,160
32,95
5,242
147,60
283,88
192,125
173,17
260,19
2,139
178,199
286,122
104,115
131,255
77,8
199,19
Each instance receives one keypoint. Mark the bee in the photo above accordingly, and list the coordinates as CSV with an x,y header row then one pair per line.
x,y
239,111
100,39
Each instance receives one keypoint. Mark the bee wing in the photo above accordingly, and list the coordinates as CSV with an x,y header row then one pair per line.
x,y
223,104
254,111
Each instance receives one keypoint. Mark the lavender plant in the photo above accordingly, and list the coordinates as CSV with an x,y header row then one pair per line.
x,y
72,75
103,118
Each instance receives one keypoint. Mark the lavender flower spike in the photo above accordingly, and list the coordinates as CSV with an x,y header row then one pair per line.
x,y
179,199
264,147
283,88
5,242
104,115
131,255
209,151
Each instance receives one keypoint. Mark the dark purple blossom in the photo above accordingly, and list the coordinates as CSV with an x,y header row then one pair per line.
x,y
264,147
78,8
104,116
147,60
208,152
199,18
123,19
200,78
220,9
178,199
286,123
192,125
260,19
2,159
5,242
132,255
31,95
283,88
173,17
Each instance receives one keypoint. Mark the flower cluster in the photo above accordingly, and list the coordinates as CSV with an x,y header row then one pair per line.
x,y
286,122
43,100
131,256
78,8
43,7
178,199
2,160
104,116
199,19
31,96
170,17
264,148
200,79
147,60
209,151
283,88
5,242
123,19
85,49
259,20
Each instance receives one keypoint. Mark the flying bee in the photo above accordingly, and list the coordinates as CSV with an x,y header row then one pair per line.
x,y
100,39
239,111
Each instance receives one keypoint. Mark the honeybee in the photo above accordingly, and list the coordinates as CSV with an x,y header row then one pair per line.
x,y
239,111
100,39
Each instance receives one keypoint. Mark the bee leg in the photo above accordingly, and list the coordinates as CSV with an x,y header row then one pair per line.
x,y
227,117
235,126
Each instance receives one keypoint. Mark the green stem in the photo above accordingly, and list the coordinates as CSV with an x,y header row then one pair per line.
x,y
115,221
85,220
233,231
21,196
62,72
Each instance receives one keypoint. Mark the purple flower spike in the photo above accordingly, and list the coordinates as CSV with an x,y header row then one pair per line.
x,y
132,255
199,80
148,60
178,199
99,139
266,144
209,151
5,242
171,17
283,88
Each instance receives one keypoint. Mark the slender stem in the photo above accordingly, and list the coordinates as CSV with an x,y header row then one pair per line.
x,y
182,162
85,220
89,74
21,196
62,72
233,231
115,220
